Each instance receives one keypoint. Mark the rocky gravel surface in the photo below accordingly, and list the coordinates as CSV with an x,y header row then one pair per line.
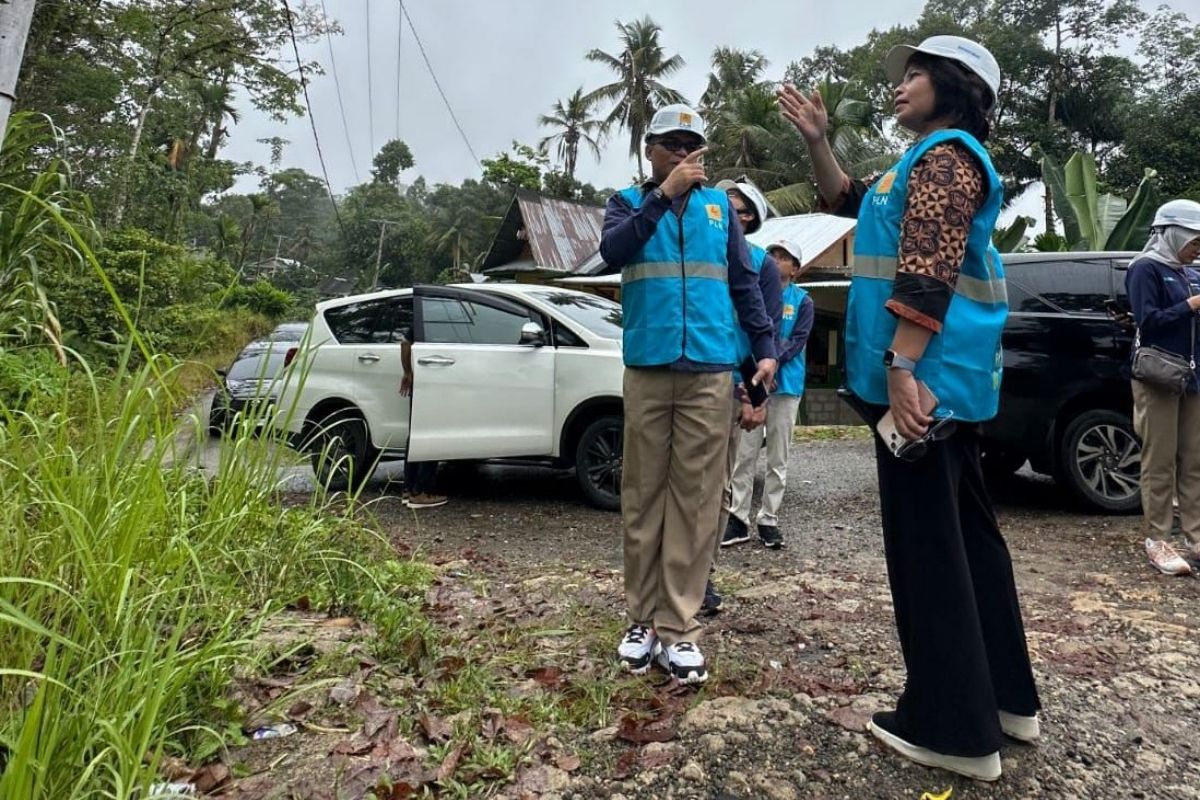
x,y
805,648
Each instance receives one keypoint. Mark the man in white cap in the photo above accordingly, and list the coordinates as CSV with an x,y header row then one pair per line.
x,y
687,286
782,407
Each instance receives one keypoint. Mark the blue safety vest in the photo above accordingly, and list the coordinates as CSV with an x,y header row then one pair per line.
x,y
962,364
757,256
675,291
790,378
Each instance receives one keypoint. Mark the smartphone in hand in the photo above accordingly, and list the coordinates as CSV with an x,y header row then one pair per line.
x,y
887,424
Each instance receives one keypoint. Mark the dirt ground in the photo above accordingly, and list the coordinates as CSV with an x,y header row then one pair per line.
x,y
528,581
805,648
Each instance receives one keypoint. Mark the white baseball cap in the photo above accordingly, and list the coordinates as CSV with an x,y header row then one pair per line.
x,y
971,55
676,117
1183,213
789,247
753,195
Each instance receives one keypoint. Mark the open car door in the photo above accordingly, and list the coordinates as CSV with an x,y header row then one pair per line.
x,y
483,377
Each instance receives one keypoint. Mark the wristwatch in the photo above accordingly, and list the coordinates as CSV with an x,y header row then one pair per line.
x,y
656,194
893,360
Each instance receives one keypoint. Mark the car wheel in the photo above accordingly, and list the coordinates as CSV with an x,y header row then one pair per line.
x,y
598,462
1000,463
341,452
1100,459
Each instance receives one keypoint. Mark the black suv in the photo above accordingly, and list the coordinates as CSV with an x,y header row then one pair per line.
x,y
1065,403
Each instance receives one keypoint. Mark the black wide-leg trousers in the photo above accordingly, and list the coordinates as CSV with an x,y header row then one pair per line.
x,y
956,604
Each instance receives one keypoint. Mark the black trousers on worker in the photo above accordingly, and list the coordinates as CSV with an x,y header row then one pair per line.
x,y
956,602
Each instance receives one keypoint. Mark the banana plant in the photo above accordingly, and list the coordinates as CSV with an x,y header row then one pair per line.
x,y
1095,221
1012,238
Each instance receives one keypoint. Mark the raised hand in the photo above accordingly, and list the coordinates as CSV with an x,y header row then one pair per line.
x,y
687,172
807,114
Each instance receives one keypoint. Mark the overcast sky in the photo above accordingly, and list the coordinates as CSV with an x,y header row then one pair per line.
x,y
501,64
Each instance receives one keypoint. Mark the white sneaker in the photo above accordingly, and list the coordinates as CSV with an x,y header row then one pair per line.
x,y
683,661
981,768
636,650
1023,729
1166,559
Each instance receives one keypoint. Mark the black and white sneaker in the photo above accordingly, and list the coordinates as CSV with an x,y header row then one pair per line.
x,y
636,650
684,662
736,532
712,601
770,536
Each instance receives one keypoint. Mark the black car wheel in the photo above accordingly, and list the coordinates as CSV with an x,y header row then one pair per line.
x,y
341,453
598,462
1101,460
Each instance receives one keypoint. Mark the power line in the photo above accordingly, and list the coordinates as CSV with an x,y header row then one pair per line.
x,y
311,119
370,87
437,83
399,53
338,85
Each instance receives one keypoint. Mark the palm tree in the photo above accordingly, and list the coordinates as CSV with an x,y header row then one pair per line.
x,y
733,71
640,66
216,104
575,125
745,135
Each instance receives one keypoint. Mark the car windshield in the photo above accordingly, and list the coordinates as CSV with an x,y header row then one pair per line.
x,y
598,314
266,364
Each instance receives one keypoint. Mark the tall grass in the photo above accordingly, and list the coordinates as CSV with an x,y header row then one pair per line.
x,y
131,582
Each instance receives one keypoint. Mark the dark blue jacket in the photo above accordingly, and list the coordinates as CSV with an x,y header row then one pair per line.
x,y
1158,299
626,231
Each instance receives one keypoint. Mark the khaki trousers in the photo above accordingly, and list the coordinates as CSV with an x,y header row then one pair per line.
x,y
676,430
731,447
1169,426
781,419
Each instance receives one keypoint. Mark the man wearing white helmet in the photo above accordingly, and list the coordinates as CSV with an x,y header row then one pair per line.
x,y
926,310
1164,296
686,288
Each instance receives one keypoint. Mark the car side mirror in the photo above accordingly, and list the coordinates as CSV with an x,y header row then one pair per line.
x,y
533,333
222,373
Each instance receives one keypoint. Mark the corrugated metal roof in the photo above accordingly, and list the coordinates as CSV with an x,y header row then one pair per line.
x,y
813,233
559,233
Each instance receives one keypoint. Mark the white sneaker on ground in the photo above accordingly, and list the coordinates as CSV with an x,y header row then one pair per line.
x,y
981,768
684,662
636,650
1023,729
1166,559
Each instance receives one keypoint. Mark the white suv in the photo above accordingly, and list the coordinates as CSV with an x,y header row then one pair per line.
x,y
501,371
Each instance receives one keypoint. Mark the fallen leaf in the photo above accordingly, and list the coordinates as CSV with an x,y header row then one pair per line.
x,y
383,720
625,765
356,745
302,603
550,677
493,724
299,710
210,777
173,768
567,762
450,763
641,730
850,718
436,730
517,730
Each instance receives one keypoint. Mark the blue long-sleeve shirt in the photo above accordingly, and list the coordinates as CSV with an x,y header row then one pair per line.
x,y
1158,299
795,343
626,230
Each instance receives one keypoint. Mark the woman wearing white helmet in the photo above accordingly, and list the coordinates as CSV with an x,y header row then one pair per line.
x,y
1164,296
926,309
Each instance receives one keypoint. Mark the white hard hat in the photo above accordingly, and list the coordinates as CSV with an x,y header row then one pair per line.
x,y
789,247
1183,213
753,195
971,55
676,117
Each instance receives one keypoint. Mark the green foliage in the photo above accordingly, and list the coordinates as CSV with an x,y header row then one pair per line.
x,y
392,159
1099,221
520,170
1012,238
261,298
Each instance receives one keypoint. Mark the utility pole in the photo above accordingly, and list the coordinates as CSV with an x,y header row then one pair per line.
x,y
15,19
279,237
383,223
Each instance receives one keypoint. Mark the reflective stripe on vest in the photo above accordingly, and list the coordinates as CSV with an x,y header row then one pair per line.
x,y
790,378
675,290
962,364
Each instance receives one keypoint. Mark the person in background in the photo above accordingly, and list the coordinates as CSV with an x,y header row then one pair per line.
x,y
782,408
686,289
1164,296
927,306
751,209
418,476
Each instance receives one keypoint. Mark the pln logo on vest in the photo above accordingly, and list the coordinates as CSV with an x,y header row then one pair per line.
x,y
884,188
715,217
789,311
